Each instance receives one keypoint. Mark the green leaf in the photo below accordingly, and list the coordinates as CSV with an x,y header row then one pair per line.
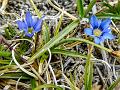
x,y
33,84
115,9
73,87
72,78
80,8
88,72
7,66
5,54
107,5
89,8
10,32
108,15
48,86
7,34
114,84
118,40
111,11
5,61
55,40
46,33
68,53
58,26
15,75
81,40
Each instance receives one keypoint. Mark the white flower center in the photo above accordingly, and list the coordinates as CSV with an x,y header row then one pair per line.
x,y
97,32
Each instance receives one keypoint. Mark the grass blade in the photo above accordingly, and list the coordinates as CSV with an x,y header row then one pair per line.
x,y
80,8
73,87
68,53
5,61
15,75
58,26
82,40
114,84
46,33
108,15
4,54
33,83
90,7
88,72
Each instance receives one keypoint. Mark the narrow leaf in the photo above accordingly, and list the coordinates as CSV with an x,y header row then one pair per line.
x,y
80,8
73,87
15,75
88,72
58,26
114,84
33,84
5,62
68,40
68,53
46,33
4,54
89,8
108,15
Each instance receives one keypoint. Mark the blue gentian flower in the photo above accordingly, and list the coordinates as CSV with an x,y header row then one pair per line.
x,y
99,30
30,25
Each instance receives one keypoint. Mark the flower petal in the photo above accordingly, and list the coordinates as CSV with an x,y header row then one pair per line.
x,y
29,34
28,19
97,40
99,23
38,25
108,36
105,24
34,20
21,24
94,22
88,31
107,30
102,39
